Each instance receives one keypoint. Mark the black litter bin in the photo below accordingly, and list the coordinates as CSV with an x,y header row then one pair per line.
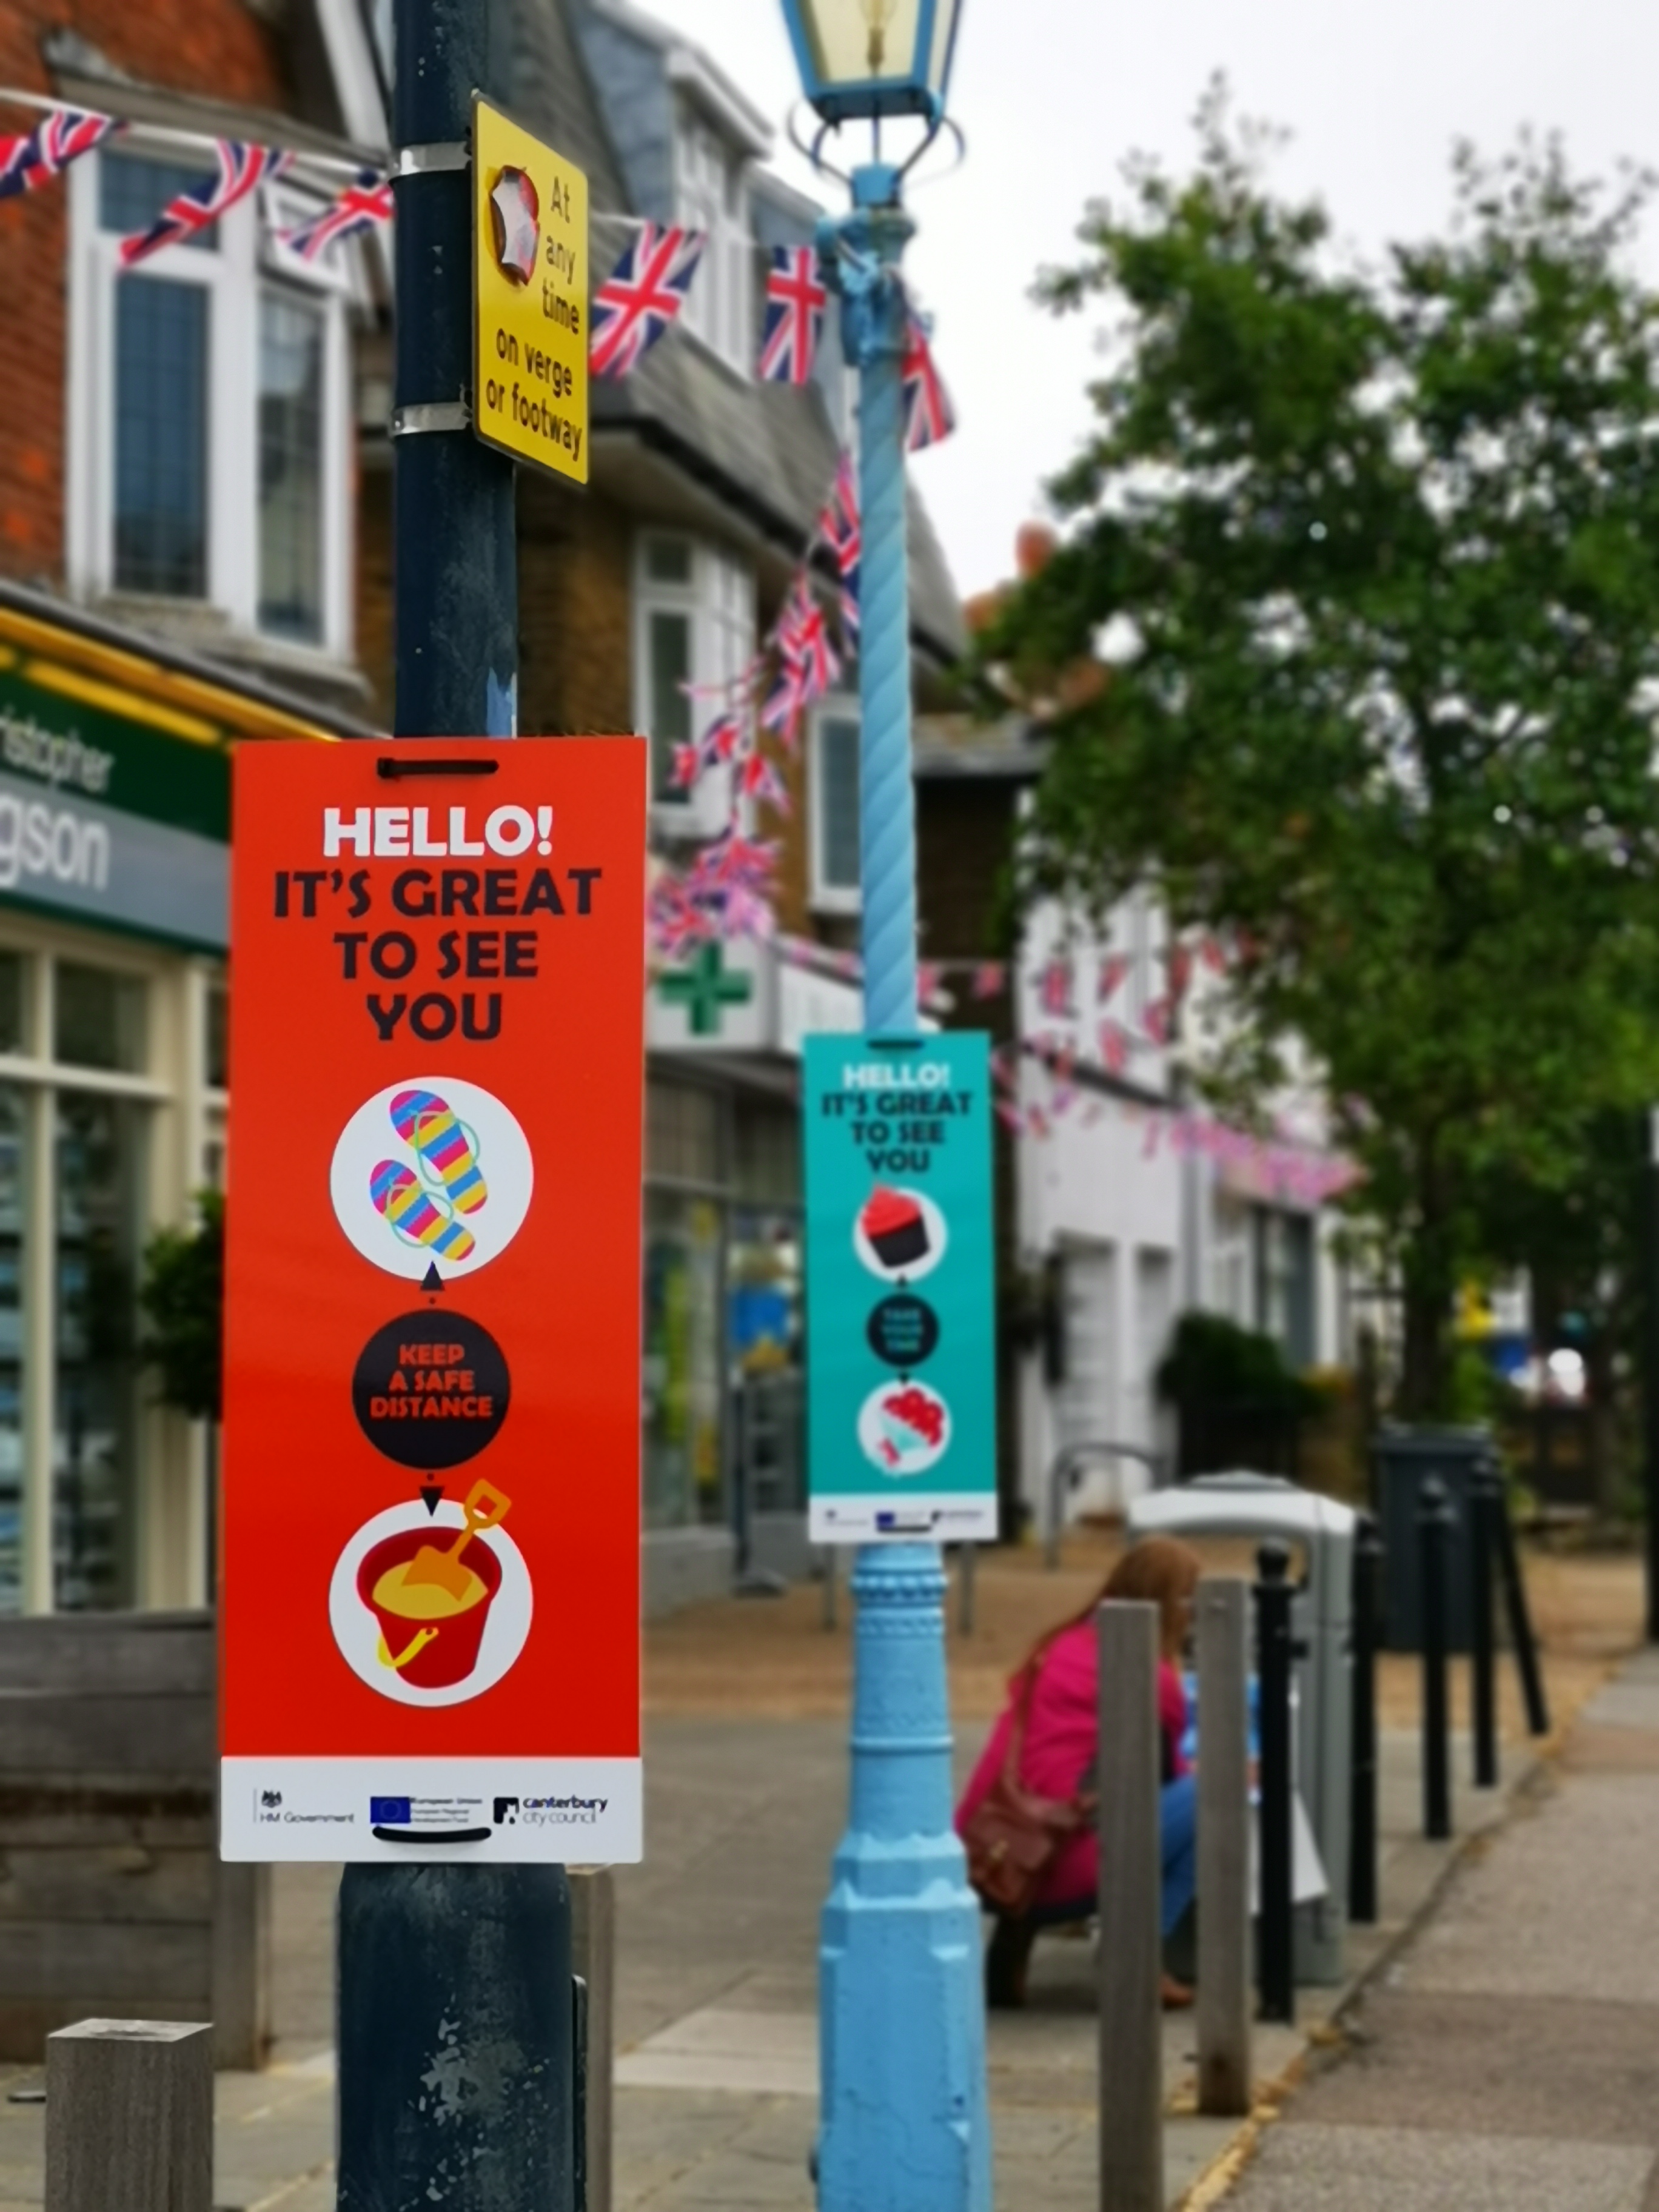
x,y
1402,1460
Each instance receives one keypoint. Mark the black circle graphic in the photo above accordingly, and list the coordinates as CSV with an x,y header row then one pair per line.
x,y
904,1330
430,1389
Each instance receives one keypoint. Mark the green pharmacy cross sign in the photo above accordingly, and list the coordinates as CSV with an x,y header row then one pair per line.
x,y
901,1353
703,988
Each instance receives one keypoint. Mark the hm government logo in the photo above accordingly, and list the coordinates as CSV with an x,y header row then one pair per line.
x,y
271,1800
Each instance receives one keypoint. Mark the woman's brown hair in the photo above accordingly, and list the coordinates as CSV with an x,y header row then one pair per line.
x,y
1157,1570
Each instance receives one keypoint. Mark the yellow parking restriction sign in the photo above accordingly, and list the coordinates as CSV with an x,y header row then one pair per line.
x,y
530,286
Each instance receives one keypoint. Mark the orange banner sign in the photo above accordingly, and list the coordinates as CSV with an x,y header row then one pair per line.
x,y
429,1590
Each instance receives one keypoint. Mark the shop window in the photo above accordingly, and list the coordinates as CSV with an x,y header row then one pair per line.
x,y
209,409
215,1042
681,1369
683,1133
766,1144
98,1018
835,745
100,1184
694,627
12,1034
13,1215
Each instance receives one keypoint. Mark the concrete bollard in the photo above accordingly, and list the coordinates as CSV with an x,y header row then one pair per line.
x,y
1131,1886
594,1958
1223,1848
130,2117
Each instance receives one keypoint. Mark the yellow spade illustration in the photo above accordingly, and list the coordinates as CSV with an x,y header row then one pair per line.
x,y
436,1586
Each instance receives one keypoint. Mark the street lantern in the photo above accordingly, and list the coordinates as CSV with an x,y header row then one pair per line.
x,y
872,57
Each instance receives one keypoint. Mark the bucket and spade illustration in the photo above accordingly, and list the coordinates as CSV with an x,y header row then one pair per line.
x,y
431,1601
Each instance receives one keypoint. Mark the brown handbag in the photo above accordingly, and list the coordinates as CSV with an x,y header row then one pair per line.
x,y
1012,1834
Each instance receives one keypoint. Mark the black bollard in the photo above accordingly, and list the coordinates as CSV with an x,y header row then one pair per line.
x,y
1434,1528
1485,1503
1274,1654
1362,1800
458,2081
1526,1644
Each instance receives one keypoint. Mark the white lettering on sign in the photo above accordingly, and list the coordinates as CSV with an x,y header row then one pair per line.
x,y
400,833
38,840
877,1075
55,756
336,833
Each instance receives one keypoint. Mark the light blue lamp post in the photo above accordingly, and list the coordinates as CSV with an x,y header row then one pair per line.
x,y
904,2126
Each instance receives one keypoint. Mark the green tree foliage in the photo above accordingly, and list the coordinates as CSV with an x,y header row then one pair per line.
x,y
1373,556
181,1298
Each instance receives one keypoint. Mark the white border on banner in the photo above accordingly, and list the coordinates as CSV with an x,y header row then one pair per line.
x,y
322,1810
967,1517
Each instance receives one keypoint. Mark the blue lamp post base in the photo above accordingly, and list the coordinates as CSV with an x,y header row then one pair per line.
x,y
904,2127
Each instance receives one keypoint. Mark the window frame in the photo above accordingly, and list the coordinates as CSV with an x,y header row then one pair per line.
x,y
236,274
720,308
828,898
719,600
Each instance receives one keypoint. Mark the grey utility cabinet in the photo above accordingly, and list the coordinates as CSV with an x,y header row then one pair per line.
x,y
1321,1535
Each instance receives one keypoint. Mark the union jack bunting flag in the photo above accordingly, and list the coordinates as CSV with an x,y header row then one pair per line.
x,y
35,158
759,779
240,168
795,301
929,414
839,528
366,201
1054,987
642,296
803,640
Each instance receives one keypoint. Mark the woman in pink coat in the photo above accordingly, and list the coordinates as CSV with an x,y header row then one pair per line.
x,y
1060,1755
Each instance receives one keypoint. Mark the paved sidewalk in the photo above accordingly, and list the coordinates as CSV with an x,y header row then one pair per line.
x,y
716,2105
1508,2060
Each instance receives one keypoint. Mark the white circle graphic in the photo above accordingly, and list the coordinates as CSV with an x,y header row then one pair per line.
x,y
357,1631
899,1234
431,1171
905,1428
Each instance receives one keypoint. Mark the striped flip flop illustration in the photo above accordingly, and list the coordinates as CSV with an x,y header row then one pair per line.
x,y
428,1122
411,1212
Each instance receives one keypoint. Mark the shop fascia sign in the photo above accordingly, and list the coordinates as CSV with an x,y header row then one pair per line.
x,y
112,824
745,996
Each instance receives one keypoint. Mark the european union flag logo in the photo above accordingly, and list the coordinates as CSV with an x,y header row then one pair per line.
x,y
388,1812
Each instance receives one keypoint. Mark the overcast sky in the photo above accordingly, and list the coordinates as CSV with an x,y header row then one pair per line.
x,y
1052,94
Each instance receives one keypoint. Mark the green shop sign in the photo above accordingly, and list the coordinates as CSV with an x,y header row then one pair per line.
x,y
108,820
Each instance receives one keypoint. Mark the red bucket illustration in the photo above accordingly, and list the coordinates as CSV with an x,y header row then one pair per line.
x,y
432,1653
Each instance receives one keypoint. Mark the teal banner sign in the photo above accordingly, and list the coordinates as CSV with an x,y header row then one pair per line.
x,y
900,1363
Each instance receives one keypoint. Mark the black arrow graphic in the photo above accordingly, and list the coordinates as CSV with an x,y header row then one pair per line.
x,y
432,1493
432,1280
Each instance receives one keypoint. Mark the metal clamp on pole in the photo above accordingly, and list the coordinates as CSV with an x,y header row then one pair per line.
x,y
1362,1801
1275,1653
1485,1503
1434,1528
